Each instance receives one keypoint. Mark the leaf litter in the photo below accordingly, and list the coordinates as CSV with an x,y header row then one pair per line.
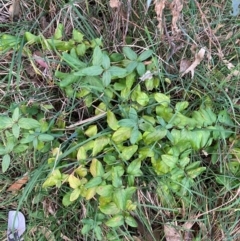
x,y
198,59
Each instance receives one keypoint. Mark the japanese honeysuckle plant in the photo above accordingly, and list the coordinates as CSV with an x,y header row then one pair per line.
x,y
141,128
19,133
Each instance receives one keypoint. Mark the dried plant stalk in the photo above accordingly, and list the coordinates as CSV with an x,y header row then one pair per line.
x,y
176,7
159,7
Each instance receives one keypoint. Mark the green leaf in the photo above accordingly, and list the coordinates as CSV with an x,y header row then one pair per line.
x,y
27,138
81,154
93,182
31,38
133,114
151,137
224,118
90,71
72,61
116,57
117,71
169,160
5,122
134,168
77,36
53,179
162,99
59,32
96,168
5,162
2,150
130,191
91,131
180,106
81,49
145,55
116,178
122,134
28,123
75,194
106,78
74,182
68,80
16,130
159,166
196,172
120,198
129,53
20,148
99,144
66,199
90,192
115,221
131,221
135,135
97,56
98,232
131,66
86,228
112,120
105,190
45,137
16,114
127,123
81,171
142,98
128,152
141,69
105,61
109,208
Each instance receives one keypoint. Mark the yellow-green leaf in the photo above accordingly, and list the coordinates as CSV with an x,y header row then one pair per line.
x,y
128,152
112,120
109,208
131,221
93,182
96,168
90,193
99,144
122,134
74,182
81,171
81,154
75,194
115,221
105,190
162,99
91,131
120,198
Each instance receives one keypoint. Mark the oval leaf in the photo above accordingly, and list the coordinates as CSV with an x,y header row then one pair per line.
x,y
5,162
28,123
115,221
90,71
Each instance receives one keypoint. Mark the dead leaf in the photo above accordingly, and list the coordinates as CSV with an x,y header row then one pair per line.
x,y
16,186
14,10
198,58
230,66
171,233
114,3
148,75
40,61
159,6
184,65
176,7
